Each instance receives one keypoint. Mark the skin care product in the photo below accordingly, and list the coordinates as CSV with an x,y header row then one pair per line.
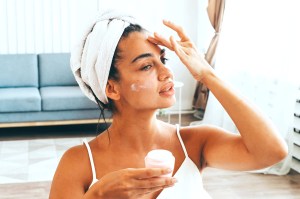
x,y
160,158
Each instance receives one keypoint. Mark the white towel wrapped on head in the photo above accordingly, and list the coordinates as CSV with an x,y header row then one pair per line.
x,y
91,59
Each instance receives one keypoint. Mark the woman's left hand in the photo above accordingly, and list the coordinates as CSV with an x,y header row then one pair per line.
x,y
185,50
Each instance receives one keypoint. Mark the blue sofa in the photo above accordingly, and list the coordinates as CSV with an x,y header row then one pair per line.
x,y
41,87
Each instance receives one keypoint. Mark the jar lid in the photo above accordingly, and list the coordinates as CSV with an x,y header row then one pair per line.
x,y
159,155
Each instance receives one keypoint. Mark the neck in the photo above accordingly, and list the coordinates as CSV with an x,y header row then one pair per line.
x,y
138,130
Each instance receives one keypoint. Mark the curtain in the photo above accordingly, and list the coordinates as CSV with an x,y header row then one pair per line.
x,y
258,55
215,11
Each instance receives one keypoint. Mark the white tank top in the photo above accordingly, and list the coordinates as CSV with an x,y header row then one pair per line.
x,y
189,178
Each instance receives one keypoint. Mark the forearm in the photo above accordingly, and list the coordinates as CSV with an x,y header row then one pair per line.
x,y
259,135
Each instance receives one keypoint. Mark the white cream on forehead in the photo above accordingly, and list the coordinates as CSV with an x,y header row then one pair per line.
x,y
139,86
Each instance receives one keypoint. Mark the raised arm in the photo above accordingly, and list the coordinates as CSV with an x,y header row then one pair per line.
x,y
258,144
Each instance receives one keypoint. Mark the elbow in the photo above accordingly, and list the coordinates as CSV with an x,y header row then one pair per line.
x,y
278,149
273,156
278,154
282,152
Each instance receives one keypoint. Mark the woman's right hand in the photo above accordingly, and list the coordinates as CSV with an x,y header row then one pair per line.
x,y
185,50
131,183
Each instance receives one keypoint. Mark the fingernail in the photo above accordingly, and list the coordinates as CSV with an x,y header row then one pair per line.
x,y
170,185
167,186
169,170
174,180
156,34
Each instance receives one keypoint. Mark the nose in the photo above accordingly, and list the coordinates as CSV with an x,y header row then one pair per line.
x,y
164,73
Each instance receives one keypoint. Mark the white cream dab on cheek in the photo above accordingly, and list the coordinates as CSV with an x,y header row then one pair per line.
x,y
138,87
134,87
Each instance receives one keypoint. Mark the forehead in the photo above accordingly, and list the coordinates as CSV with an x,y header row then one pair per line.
x,y
136,44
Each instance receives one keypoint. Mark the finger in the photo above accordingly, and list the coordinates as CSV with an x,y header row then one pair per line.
x,y
185,44
150,172
153,40
181,48
157,42
146,191
163,41
178,49
156,182
177,29
181,52
143,192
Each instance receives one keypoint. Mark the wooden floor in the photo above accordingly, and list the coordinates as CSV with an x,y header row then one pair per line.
x,y
230,185
219,184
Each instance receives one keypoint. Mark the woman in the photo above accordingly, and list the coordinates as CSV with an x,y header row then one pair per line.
x,y
119,65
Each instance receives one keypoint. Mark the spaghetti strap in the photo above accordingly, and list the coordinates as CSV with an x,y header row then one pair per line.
x,y
180,139
91,161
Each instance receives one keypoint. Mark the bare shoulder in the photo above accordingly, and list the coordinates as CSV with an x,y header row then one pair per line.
x,y
195,138
73,170
193,132
198,138
75,157
206,134
75,162
202,131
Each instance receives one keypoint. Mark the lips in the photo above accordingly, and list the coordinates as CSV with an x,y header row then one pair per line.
x,y
167,89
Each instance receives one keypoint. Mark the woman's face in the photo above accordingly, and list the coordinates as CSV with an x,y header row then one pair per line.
x,y
145,82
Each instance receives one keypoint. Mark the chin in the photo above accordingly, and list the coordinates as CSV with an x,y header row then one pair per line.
x,y
167,104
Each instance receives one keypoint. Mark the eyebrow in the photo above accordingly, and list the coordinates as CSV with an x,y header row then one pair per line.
x,y
162,51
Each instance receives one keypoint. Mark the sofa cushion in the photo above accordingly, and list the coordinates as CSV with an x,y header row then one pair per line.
x,y
64,98
18,70
19,99
41,116
55,70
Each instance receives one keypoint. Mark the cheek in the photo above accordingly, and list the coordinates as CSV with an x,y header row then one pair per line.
x,y
139,92
141,86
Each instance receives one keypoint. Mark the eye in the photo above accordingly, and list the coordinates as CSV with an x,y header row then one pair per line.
x,y
163,60
146,68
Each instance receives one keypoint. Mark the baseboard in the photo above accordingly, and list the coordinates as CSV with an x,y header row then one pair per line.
x,y
54,123
174,112
71,122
